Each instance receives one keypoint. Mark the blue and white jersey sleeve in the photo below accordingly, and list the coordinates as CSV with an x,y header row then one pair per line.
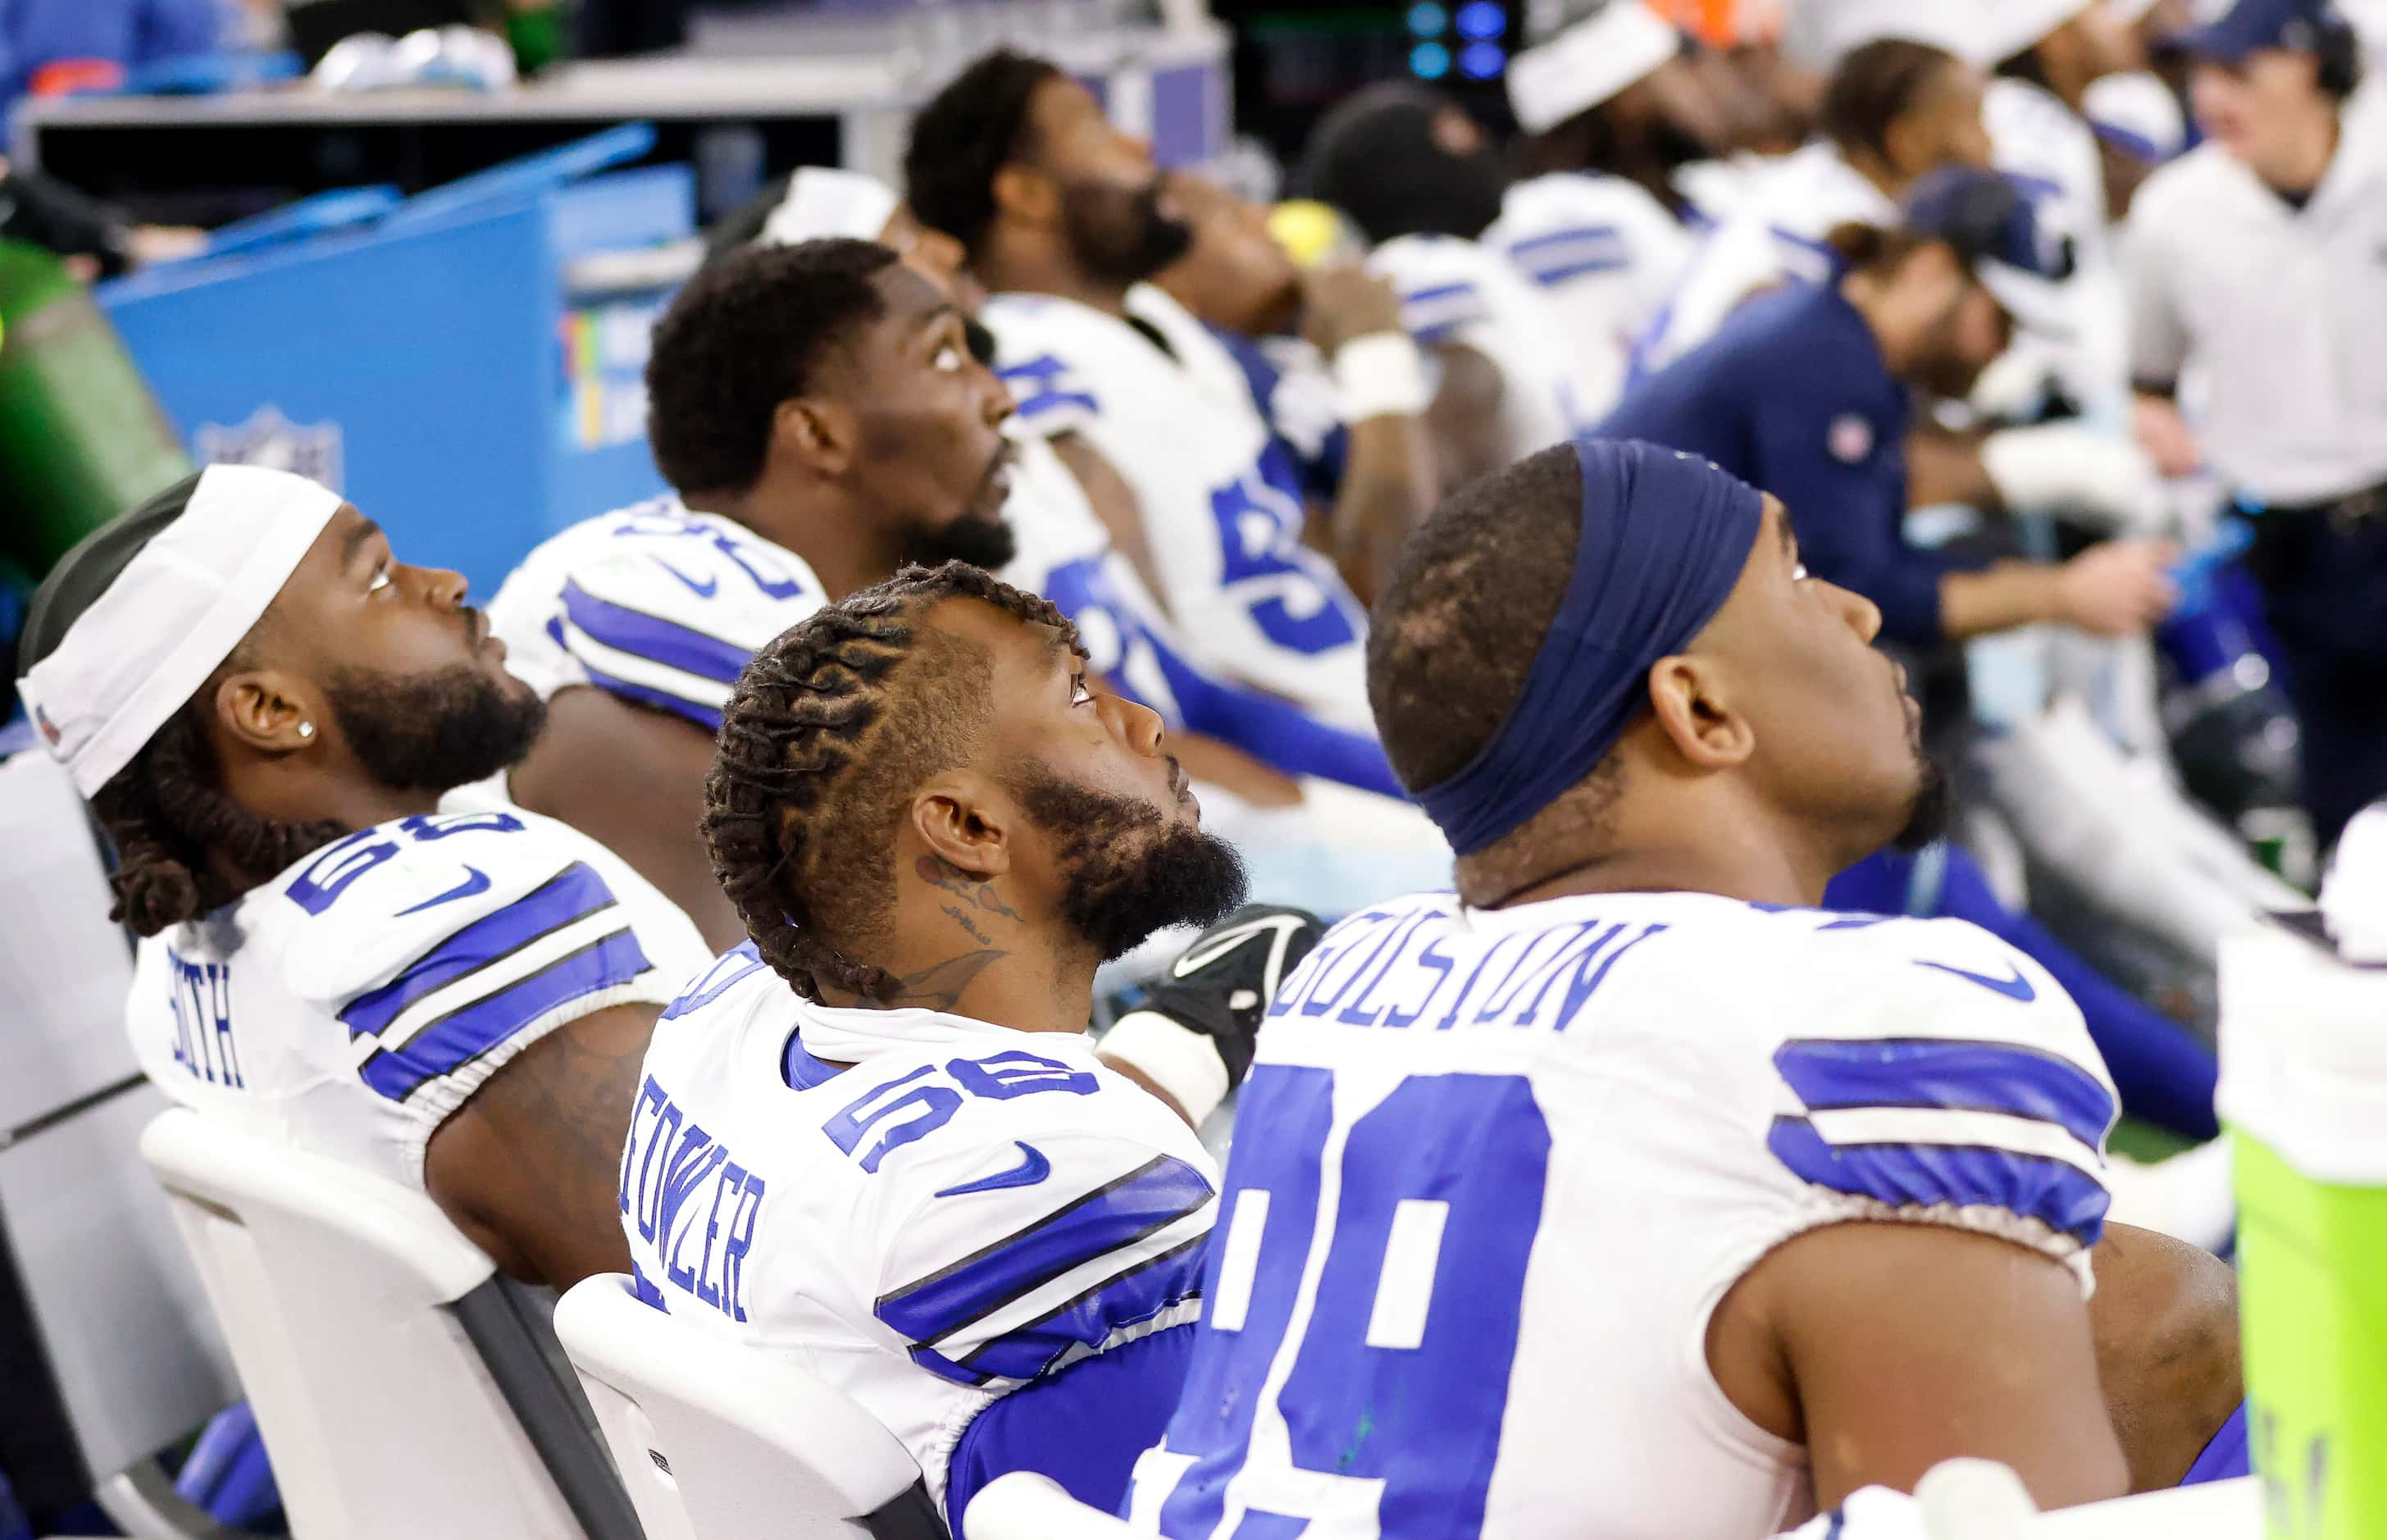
x,y
1023,1255
443,946
1042,360
654,604
1950,1080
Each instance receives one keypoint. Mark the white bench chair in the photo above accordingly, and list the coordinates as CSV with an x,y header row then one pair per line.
x,y
1024,1506
718,1442
402,1387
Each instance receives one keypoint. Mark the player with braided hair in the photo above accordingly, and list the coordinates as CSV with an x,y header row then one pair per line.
x,y
265,709
877,1136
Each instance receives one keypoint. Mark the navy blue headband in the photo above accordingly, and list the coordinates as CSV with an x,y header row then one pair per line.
x,y
1663,540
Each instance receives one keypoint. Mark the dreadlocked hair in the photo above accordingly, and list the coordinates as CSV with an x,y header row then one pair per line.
x,y
831,728
164,812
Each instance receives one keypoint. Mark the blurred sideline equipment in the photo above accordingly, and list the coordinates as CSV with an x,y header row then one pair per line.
x,y
82,439
402,1387
1958,1499
2303,1090
112,1352
1025,1506
717,1440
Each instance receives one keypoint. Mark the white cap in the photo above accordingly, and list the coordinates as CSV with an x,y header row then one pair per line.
x,y
823,202
170,618
1587,64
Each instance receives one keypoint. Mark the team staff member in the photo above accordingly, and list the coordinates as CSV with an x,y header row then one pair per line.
x,y
2255,263
1806,392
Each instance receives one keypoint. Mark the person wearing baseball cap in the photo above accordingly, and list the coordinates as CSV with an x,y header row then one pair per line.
x,y
1806,392
2254,271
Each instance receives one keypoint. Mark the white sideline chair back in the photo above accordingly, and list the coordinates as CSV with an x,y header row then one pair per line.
x,y
717,1441
377,1409
1025,1506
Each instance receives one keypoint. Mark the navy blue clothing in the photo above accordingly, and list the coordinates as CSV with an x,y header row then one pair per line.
x,y
1084,1427
1792,396
2165,1076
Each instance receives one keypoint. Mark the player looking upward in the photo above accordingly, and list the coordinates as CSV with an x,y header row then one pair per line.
x,y
925,1185
264,707
1774,1203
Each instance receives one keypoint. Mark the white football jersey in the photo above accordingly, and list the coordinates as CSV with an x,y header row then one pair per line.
x,y
1554,384
965,1211
1493,1172
653,603
2050,152
1775,237
1165,402
352,1004
1604,252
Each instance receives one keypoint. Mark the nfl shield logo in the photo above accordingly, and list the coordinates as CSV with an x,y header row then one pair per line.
x,y
1851,438
270,439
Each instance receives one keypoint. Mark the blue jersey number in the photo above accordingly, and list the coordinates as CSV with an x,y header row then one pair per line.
x,y
1388,1384
334,872
1297,601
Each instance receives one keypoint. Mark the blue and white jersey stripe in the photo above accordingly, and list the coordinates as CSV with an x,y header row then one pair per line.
x,y
1434,314
354,1003
1064,1285
492,979
1552,258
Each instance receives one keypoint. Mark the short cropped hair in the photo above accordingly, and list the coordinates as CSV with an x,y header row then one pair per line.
x,y
746,333
967,133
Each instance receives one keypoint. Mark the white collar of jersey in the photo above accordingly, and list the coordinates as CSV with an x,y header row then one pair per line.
x,y
857,1036
173,616
1587,64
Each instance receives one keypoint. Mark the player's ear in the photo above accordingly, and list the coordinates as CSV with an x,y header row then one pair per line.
x,y
1023,193
963,827
1694,707
268,712
820,434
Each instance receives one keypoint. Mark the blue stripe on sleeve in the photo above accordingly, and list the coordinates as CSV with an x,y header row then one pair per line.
x,y
1957,1075
1130,1299
2064,1198
571,894
1439,291
1151,1197
1044,402
705,716
1553,276
1603,233
653,638
470,1031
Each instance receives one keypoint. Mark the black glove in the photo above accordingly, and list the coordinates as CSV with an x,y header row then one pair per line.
x,y
1221,986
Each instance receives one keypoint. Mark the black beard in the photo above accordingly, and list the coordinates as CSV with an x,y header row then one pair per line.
x,y
973,538
1131,872
1926,820
1122,236
431,732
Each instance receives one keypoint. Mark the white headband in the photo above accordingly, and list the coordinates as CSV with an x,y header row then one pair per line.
x,y
173,616
823,202
1588,64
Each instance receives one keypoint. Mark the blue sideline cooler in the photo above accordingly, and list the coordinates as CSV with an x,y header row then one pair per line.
x,y
441,360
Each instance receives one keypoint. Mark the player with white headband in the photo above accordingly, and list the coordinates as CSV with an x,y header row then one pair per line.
x,y
264,706
1610,110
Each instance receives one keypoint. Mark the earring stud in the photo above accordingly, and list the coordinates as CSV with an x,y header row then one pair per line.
x,y
306,729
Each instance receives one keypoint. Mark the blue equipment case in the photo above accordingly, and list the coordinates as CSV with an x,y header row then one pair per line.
x,y
427,358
